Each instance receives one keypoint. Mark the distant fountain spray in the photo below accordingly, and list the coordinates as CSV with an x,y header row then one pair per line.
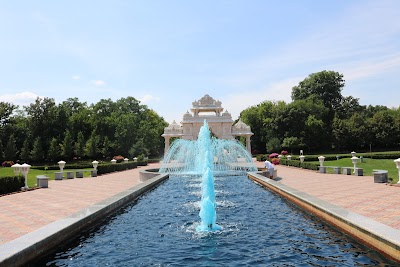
x,y
207,157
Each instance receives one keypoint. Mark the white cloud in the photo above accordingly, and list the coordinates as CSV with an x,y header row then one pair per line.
x,y
99,83
149,98
76,77
21,99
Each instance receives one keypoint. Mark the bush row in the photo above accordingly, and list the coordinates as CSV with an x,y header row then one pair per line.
x,y
298,164
67,166
107,168
391,155
11,184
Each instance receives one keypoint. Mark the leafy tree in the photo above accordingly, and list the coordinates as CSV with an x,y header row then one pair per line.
x,y
42,115
273,145
6,110
80,145
37,153
385,129
91,146
10,152
139,148
54,150
67,147
324,85
25,151
106,147
291,143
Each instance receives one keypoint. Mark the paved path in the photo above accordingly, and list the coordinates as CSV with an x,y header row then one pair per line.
x,y
358,194
25,212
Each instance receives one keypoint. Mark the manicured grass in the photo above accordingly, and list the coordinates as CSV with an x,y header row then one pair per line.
x,y
8,171
368,165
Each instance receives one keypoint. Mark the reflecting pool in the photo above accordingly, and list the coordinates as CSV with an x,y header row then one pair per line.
x,y
259,229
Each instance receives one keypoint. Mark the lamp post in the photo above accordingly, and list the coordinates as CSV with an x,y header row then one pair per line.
x,y
289,157
25,169
126,160
113,161
95,164
353,154
321,160
61,163
16,168
135,159
302,158
397,161
354,159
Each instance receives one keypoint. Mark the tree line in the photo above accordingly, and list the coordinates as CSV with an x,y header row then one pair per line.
x,y
320,118
46,132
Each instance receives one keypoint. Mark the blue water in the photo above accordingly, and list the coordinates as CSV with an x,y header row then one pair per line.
x,y
259,229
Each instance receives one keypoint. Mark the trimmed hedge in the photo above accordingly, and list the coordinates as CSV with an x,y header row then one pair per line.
x,y
387,155
11,184
67,166
107,168
298,164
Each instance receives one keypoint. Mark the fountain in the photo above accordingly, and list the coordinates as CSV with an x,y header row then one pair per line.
x,y
205,157
227,157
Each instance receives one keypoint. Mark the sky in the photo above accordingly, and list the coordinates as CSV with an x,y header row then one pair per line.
x,y
168,54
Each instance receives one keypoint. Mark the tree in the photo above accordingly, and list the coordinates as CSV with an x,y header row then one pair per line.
x,y
106,147
25,151
10,152
324,85
37,153
67,148
139,148
273,145
80,145
91,146
54,150
291,142
6,110
43,119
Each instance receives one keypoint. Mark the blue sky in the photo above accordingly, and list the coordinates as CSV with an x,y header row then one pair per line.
x,y
169,53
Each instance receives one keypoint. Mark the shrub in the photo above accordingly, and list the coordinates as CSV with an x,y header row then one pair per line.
x,y
11,184
284,152
7,163
107,168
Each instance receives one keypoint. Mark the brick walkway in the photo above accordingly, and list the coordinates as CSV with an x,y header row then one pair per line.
x,y
358,194
25,212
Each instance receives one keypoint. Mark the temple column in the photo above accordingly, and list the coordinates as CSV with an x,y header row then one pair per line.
x,y
166,148
248,145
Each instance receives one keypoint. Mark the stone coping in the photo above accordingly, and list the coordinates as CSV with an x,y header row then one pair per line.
x,y
380,237
24,249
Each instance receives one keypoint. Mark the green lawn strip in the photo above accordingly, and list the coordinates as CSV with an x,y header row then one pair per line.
x,y
8,171
349,154
368,165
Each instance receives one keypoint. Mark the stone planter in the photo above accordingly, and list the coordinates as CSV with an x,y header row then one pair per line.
x,y
58,175
42,181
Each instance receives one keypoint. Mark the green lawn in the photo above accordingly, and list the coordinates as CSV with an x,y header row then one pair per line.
x,y
368,165
8,171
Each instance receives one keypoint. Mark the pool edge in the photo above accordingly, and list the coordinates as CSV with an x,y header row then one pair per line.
x,y
38,243
373,234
